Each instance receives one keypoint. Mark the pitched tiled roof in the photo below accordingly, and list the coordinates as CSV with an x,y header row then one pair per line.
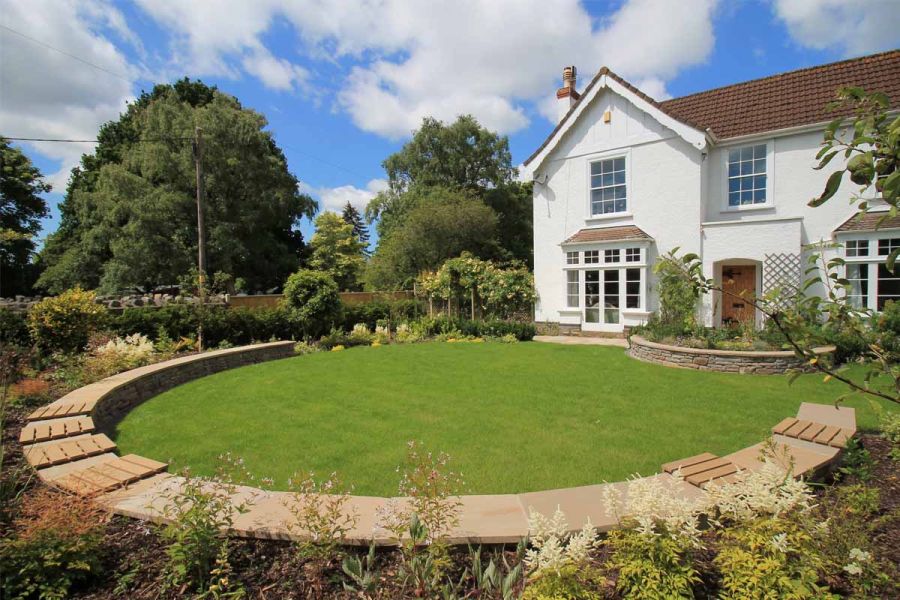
x,y
870,221
789,99
608,234
786,100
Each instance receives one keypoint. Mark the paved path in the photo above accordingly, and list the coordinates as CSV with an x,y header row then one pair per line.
x,y
575,340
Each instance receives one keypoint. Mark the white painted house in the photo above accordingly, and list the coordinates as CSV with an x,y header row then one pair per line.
x,y
725,173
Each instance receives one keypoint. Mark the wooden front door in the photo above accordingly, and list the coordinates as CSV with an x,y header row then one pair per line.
x,y
738,280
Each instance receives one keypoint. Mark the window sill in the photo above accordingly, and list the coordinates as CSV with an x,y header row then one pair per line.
x,y
609,216
748,207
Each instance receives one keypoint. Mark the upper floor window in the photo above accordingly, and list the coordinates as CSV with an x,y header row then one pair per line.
x,y
591,257
608,193
747,176
611,256
885,247
632,255
857,248
571,258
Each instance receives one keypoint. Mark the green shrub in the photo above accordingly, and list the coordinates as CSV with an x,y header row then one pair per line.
x,y
378,312
313,300
652,565
571,582
200,511
677,295
432,327
55,545
13,328
771,557
65,322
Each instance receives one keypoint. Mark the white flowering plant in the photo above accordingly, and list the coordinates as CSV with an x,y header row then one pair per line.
x,y
133,350
553,546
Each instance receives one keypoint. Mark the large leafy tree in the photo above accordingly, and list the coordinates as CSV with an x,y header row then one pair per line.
x,y
441,223
336,250
464,157
129,215
21,209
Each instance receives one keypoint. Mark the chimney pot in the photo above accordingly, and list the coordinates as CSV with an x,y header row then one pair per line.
x,y
566,96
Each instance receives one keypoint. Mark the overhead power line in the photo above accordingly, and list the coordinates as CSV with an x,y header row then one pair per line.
x,y
69,54
26,139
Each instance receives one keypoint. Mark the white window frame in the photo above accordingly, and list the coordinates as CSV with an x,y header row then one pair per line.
x,y
869,263
629,196
770,176
592,257
629,253
573,258
622,266
578,288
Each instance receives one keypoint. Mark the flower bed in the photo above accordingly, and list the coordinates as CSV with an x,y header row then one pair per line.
x,y
727,361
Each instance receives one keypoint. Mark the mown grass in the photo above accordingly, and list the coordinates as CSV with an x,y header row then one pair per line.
x,y
514,418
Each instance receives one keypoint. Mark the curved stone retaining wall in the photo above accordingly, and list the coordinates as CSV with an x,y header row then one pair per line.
x,y
117,395
69,452
727,361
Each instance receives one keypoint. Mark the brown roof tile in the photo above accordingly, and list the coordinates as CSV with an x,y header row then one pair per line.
x,y
871,221
608,234
785,100
789,99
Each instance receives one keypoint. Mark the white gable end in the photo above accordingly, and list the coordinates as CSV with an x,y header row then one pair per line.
x,y
631,121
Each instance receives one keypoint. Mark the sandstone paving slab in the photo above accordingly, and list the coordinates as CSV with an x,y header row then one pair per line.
x,y
807,457
828,414
491,519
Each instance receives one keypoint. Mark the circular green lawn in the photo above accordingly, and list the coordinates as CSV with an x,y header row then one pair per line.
x,y
513,417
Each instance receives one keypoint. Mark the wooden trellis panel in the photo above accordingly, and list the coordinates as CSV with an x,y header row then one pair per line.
x,y
782,271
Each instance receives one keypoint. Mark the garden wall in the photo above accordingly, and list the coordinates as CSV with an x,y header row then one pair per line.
x,y
727,361
120,393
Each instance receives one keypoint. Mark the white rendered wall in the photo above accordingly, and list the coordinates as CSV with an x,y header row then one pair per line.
x,y
664,190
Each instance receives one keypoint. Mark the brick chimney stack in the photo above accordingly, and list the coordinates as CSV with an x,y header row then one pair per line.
x,y
566,95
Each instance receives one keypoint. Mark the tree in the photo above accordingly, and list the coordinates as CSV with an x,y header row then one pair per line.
x,y
463,154
354,219
336,250
129,215
313,299
442,223
21,209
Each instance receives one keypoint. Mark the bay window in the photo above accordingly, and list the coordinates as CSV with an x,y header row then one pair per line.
x,y
871,284
572,284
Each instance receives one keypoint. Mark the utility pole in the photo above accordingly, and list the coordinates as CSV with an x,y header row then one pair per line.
x,y
201,230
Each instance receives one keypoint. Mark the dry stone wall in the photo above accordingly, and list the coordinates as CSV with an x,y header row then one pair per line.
x,y
726,361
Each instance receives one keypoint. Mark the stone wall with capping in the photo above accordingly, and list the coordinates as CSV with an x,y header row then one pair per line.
x,y
725,361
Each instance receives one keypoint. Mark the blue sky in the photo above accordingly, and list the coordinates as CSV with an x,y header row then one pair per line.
x,y
342,83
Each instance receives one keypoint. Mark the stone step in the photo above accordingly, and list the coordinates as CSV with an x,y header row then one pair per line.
x,y
55,453
63,409
53,429
110,475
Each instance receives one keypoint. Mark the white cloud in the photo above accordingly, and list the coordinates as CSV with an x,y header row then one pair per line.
x,y
334,199
490,58
275,73
224,38
855,26
46,94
